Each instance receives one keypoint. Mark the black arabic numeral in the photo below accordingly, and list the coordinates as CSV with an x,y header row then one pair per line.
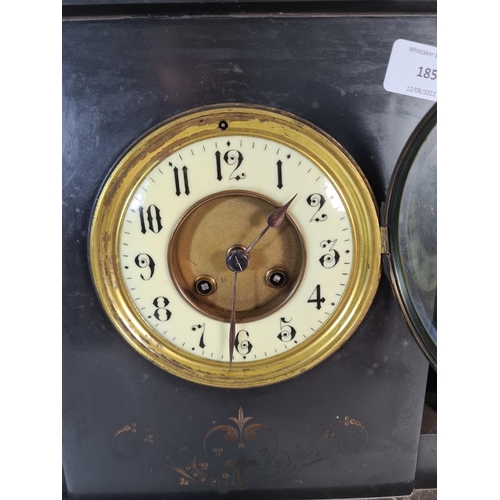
x,y
287,333
219,168
231,158
161,313
329,260
243,346
141,219
234,157
177,181
316,297
198,327
279,165
153,219
317,200
144,260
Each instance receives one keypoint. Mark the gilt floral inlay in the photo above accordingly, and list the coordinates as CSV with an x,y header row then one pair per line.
x,y
242,452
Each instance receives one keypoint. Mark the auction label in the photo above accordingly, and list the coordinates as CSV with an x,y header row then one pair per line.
x,y
412,70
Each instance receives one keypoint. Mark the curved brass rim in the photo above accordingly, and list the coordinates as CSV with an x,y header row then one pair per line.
x,y
203,123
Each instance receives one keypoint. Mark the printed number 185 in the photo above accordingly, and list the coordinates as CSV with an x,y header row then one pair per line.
x,y
427,73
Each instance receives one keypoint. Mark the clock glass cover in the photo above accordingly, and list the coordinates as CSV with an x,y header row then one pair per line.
x,y
412,221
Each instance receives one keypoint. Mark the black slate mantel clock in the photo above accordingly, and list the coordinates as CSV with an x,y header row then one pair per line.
x,y
231,319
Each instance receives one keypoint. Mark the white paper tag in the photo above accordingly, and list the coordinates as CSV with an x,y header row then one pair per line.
x,y
412,70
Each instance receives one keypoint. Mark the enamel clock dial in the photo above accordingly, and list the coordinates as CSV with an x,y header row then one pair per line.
x,y
235,246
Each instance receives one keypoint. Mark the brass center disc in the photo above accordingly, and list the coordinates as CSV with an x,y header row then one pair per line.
x,y
199,246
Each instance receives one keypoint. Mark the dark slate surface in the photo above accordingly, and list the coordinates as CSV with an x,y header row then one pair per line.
x,y
120,78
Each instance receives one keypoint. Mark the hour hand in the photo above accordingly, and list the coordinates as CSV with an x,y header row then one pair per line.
x,y
274,219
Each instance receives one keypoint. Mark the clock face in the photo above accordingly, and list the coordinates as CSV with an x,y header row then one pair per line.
x,y
199,189
209,197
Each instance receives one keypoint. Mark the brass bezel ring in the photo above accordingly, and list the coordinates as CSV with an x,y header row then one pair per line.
x,y
203,123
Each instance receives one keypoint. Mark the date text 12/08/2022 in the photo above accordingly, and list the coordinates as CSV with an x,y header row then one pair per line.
x,y
418,90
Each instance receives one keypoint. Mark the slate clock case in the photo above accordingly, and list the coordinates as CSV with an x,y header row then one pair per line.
x,y
349,427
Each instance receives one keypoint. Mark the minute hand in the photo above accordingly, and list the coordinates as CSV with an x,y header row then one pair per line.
x,y
274,219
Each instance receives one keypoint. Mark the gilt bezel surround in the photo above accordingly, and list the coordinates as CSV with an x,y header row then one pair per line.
x,y
267,123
